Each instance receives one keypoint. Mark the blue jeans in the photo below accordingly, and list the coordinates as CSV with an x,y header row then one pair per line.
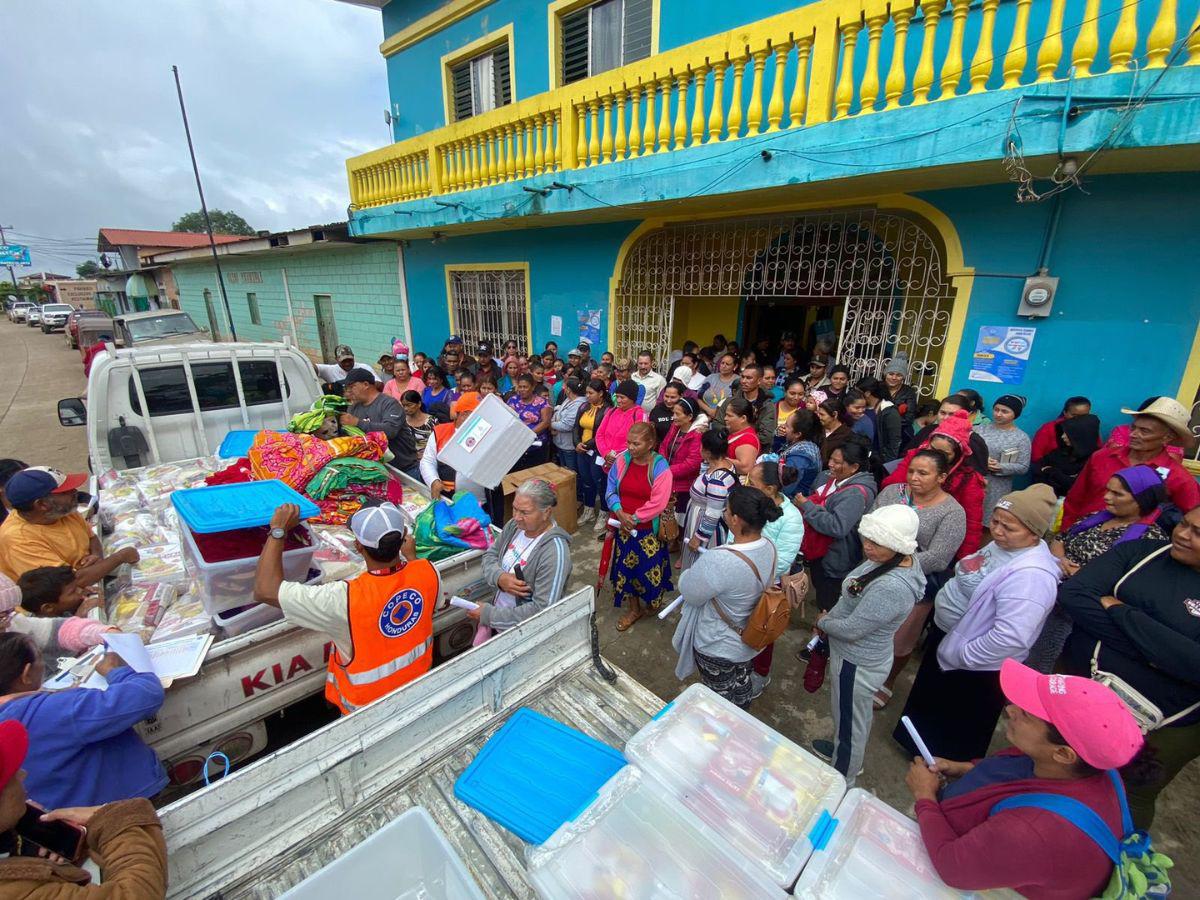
x,y
566,459
590,478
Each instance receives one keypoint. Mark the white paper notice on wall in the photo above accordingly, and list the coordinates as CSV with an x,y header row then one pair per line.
x,y
556,326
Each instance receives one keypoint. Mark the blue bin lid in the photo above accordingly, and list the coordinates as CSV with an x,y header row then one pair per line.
x,y
236,444
536,773
224,507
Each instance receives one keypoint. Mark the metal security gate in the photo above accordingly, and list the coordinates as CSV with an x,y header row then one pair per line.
x,y
884,269
490,304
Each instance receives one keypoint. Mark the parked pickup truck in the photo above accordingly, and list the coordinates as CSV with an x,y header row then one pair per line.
x,y
268,826
168,403
194,396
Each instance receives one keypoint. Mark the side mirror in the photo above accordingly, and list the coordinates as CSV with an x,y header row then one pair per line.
x,y
71,411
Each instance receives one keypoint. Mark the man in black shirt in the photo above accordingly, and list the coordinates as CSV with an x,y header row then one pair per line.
x,y
372,410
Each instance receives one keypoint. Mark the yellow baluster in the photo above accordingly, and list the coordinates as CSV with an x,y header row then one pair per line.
x,y
716,115
594,125
775,107
679,138
606,145
648,133
698,110
512,133
582,145
868,92
664,115
621,144
754,113
981,62
493,147
1193,44
502,134
447,156
931,12
1016,56
897,79
1083,54
1051,50
735,101
844,95
540,139
477,162
1162,36
527,158
952,66
380,191
635,120
554,157
1124,39
800,88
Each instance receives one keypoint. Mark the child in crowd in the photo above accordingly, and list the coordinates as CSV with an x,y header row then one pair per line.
x,y
876,597
51,591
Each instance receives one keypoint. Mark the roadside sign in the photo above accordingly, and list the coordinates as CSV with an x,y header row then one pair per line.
x,y
14,255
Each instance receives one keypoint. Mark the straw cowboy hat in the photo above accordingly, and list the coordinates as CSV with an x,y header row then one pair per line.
x,y
1170,412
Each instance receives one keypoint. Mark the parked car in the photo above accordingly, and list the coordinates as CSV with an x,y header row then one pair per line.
x,y
54,315
71,329
162,326
18,310
33,315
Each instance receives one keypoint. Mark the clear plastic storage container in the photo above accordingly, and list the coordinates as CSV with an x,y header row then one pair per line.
x,y
485,447
225,585
632,843
407,859
869,849
256,616
749,784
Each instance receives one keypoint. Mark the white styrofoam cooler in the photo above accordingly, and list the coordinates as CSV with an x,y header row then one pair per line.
x,y
407,859
632,842
761,793
870,849
226,585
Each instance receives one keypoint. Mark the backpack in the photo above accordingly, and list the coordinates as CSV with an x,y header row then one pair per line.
x,y
1138,870
771,615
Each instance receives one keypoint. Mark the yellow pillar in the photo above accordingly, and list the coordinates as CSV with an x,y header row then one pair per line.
x,y
1162,36
701,77
606,145
931,12
648,132
799,89
1051,50
845,87
1087,43
1124,39
982,61
754,113
679,138
734,129
716,115
664,115
775,108
952,66
621,143
897,78
635,124
1016,56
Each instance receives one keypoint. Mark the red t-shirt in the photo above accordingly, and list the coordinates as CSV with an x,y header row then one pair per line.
x,y
747,436
634,490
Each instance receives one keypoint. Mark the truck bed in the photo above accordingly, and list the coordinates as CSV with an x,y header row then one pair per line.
x,y
266,828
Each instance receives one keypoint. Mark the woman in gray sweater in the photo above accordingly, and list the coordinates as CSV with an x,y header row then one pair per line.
x,y
720,591
876,597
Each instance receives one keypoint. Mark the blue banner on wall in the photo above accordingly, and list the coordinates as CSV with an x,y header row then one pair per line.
x,y
1002,354
14,255
589,325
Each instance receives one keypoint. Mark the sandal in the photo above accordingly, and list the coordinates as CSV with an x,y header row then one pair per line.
x,y
882,697
627,620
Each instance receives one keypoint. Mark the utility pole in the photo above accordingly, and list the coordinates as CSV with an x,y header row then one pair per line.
x,y
204,207
11,275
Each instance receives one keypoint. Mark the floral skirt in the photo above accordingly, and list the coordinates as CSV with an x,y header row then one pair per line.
x,y
641,567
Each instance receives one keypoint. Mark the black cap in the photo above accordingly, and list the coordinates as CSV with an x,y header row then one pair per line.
x,y
584,346
628,389
484,347
359,376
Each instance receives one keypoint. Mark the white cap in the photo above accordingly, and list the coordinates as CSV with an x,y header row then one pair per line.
x,y
697,382
372,524
894,526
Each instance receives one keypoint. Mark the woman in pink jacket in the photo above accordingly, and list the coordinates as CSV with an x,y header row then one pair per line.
x,y
681,449
639,488
613,433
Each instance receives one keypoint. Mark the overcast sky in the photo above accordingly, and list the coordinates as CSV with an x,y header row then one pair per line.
x,y
279,93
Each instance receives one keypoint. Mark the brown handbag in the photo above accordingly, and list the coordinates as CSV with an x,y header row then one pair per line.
x,y
771,615
795,587
668,525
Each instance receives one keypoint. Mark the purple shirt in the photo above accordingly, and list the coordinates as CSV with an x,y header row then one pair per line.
x,y
531,412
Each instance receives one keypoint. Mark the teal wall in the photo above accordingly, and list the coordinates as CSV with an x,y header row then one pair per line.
x,y
569,269
1128,301
363,280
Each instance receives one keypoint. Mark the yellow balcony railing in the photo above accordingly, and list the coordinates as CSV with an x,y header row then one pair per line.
x,y
789,71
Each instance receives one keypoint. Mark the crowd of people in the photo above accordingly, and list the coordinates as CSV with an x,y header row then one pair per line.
x,y
1050,579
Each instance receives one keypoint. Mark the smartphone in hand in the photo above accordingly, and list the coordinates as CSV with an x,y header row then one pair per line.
x,y
67,840
518,572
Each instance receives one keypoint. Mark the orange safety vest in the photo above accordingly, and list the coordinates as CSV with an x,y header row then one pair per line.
x,y
391,631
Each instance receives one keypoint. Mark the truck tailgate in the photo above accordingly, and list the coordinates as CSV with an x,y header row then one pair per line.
x,y
269,826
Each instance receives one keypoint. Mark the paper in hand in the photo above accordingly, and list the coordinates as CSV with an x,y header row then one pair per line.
x,y
131,649
461,603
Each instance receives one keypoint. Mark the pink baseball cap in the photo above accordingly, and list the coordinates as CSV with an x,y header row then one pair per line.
x,y
1092,719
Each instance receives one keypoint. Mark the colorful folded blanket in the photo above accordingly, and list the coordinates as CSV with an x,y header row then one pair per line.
x,y
345,472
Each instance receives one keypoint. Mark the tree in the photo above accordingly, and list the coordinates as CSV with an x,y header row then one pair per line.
x,y
222,223
87,269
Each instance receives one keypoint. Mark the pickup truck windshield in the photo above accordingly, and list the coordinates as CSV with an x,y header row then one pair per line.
x,y
58,308
154,327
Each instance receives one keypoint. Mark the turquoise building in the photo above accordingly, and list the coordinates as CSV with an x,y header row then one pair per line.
x,y
1008,191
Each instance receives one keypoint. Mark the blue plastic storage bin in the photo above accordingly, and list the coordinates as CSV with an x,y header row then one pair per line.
x,y
224,507
236,444
535,773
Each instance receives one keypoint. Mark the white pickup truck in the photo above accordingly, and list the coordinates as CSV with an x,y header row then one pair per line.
x,y
194,396
265,828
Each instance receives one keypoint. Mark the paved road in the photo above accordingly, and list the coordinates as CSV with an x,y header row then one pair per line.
x,y
39,371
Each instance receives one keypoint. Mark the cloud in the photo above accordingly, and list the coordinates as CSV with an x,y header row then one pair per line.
x,y
279,93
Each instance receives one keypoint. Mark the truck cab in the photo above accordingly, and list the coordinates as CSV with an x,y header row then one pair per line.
x,y
158,328
157,404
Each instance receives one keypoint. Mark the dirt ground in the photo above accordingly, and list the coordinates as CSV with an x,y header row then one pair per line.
x,y
43,370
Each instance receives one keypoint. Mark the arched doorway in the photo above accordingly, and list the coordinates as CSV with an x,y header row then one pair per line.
x,y
878,274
